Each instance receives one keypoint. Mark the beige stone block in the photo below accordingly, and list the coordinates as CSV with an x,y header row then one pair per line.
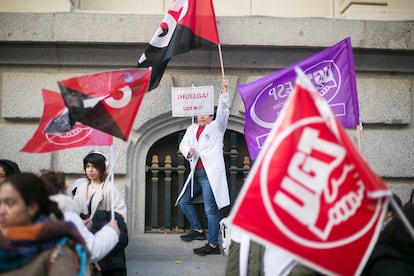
x,y
13,137
232,8
35,5
27,26
384,100
107,27
292,8
22,92
377,9
126,6
389,152
155,103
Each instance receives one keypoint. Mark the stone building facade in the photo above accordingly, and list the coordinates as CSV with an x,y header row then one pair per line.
x,y
41,43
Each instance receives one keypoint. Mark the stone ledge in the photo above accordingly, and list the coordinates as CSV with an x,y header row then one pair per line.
x,y
35,6
90,27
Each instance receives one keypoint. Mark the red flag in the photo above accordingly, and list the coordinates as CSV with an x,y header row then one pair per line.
x,y
310,192
107,101
188,24
79,136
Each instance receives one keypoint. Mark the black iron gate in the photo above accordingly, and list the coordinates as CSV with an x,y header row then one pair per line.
x,y
166,171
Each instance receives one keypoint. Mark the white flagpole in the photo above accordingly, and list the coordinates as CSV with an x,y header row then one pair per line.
x,y
112,182
193,145
193,142
401,216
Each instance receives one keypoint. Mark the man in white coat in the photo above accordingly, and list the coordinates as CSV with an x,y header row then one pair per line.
x,y
202,146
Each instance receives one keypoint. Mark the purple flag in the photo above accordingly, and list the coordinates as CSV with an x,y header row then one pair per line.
x,y
331,72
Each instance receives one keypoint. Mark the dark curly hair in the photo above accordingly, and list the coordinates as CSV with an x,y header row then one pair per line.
x,y
34,190
9,167
56,181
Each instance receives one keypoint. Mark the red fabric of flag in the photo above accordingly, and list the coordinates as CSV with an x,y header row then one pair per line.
x,y
107,101
310,192
201,19
79,136
188,24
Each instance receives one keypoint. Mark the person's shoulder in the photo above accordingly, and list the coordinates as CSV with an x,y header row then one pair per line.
x,y
77,183
66,203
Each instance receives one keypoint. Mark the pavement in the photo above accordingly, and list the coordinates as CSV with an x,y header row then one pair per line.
x,y
166,254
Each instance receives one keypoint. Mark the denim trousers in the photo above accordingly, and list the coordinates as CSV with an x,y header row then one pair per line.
x,y
202,185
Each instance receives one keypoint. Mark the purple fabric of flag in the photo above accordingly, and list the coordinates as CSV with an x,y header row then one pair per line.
x,y
331,71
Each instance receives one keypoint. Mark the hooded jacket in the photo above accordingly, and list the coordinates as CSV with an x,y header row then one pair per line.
x,y
101,200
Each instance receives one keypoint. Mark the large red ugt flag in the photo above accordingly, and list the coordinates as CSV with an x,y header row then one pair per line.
x,y
310,192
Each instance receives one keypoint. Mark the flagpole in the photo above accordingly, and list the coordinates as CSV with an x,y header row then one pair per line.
x,y
401,215
193,145
358,131
112,182
221,59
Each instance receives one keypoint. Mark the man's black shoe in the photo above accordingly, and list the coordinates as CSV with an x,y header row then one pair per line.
x,y
207,250
194,235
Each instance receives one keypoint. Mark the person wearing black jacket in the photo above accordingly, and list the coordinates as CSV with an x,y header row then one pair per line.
x,y
394,252
114,264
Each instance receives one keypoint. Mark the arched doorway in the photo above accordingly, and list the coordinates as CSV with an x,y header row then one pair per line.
x,y
166,171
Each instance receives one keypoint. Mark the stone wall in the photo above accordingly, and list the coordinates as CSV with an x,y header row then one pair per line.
x,y
37,50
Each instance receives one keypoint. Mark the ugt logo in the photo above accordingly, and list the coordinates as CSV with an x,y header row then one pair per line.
x,y
315,199
324,75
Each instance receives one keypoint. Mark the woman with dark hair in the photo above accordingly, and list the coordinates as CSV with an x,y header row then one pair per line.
x,y
7,168
95,193
96,197
34,240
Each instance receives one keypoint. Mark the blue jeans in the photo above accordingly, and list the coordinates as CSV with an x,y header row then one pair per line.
x,y
202,185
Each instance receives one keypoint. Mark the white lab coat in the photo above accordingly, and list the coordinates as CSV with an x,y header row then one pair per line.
x,y
209,148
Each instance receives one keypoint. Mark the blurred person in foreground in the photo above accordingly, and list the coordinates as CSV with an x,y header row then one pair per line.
x,y
7,168
34,239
